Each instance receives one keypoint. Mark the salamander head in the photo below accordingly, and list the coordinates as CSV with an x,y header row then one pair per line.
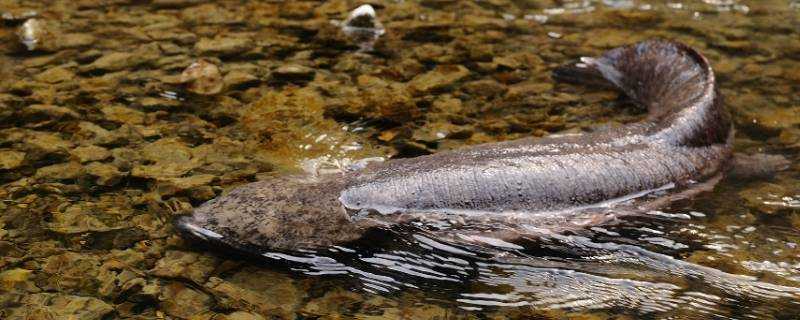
x,y
273,215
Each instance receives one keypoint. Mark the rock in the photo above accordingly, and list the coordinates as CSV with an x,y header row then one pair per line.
x,y
448,104
39,144
240,79
520,60
122,114
185,265
202,77
38,34
18,14
760,197
440,79
55,75
47,112
363,27
485,88
336,299
169,157
115,61
17,279
225,46
10,159
90,133
60,306
527,89
769,120
105,174
90,153
210,13
240,315
62,171
292,73
71,272
77,40
178,300
257,290
76,219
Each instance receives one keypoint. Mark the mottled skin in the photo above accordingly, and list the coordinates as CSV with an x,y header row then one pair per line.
x,y
557,183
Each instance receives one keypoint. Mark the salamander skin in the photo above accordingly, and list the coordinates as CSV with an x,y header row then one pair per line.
x,y
556,183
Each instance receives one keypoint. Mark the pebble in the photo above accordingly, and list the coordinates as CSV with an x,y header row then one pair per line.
x,y
293,73
439,79
363,27
202,77
90,153
223,46
10,159
37,34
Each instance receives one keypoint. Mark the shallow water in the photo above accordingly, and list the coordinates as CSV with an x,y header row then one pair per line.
x,y
100,145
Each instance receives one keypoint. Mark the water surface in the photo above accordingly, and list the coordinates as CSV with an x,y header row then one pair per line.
x,y
100,145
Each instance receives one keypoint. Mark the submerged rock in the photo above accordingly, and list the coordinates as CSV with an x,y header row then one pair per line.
x,y
440,78
363,27
37,34
60,306
180,301
292,73
202,77
187,265
10,159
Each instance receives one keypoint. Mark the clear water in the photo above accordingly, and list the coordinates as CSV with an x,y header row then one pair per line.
x,y
74,244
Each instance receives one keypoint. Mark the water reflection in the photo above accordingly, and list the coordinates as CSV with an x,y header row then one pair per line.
x,y
630,266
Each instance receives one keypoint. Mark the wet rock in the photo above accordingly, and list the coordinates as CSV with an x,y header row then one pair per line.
x,y
76,218
170,186
76,40
240,315
790,137
71,272
440,79
336,299
18,14
17,279
166,168
185,265
55,75
90,133
57,172
485,88
40,144
210,13
363,27
202,77
46,113
10,159
115,61
225,46
297,10
240,79
178,300
104,174
292,73
257,290
768,120
527,89
764,197
122,114
60,306
448,105
520,60
38,34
